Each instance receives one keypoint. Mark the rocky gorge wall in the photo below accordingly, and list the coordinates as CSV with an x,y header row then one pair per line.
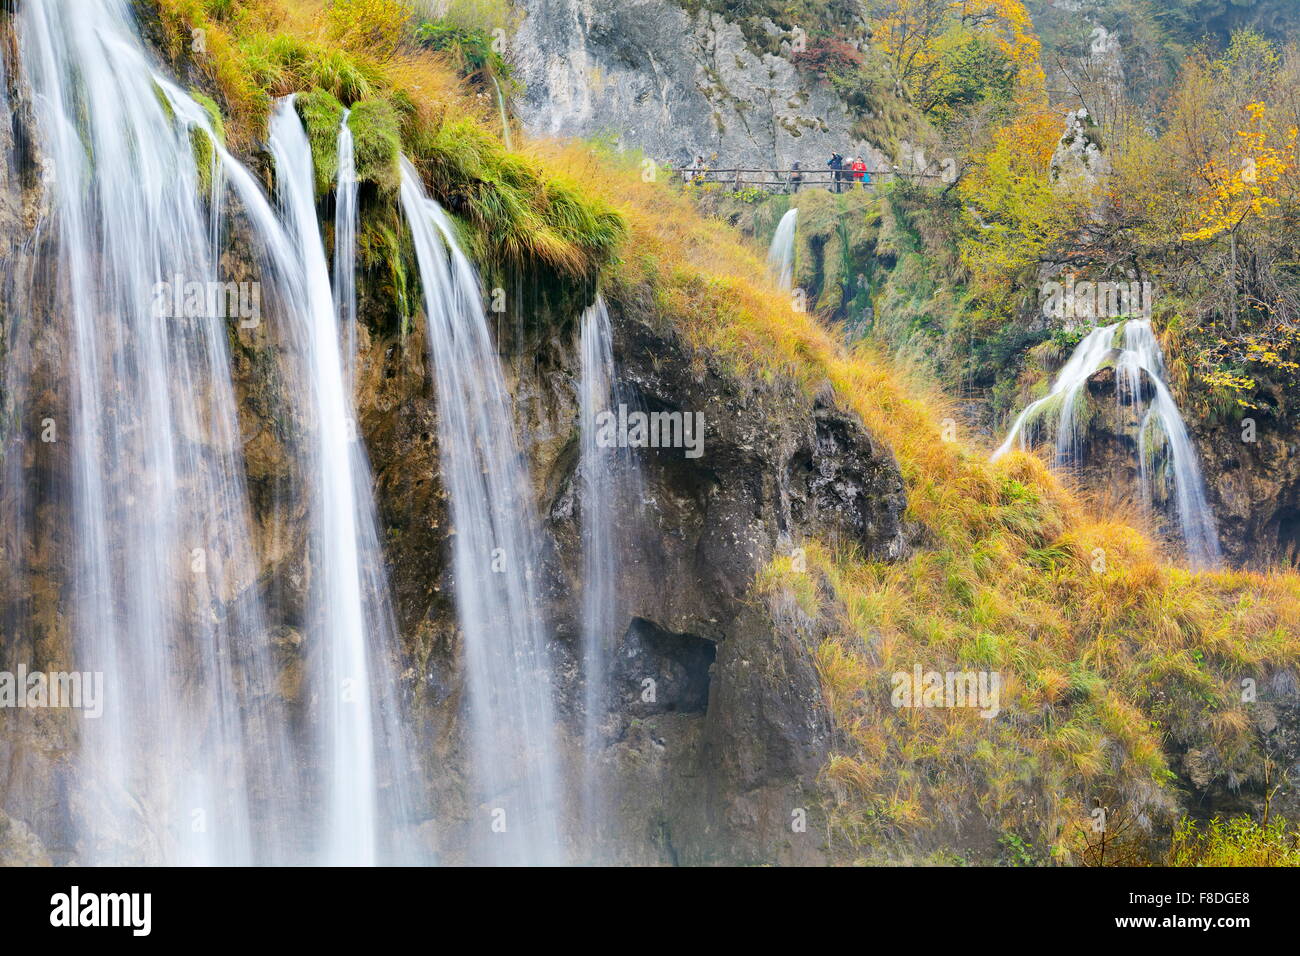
x,y
676,84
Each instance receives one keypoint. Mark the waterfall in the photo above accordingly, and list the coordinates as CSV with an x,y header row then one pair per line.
x,y
1162,428
192,761
160,561
609,482
1063,397
345,246
396,765
494,554
1142,354
505,119
780,257
348,610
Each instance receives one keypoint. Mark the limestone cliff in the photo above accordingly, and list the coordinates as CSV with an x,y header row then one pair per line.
x,y
652,75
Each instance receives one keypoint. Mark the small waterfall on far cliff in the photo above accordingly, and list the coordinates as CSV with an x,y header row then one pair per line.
x,y
1163,425
515,810
1056,410
780,257
1132,348
505,117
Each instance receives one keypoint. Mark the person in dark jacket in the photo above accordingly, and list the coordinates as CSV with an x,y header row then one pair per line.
x,y
836,163
796,177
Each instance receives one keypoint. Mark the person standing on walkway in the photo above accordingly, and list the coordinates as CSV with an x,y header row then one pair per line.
x,y
836,163
859,168
796,177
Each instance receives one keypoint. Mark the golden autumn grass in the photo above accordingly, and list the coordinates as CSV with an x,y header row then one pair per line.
x,y
1112,658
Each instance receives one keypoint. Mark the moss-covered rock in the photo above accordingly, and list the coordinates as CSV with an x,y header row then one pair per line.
x,y
322,115
377,140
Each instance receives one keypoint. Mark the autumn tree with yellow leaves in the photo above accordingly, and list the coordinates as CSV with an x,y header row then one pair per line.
x,y
952,53
1213,203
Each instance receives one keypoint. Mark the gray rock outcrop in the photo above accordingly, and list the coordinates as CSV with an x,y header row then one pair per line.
x,y
676,85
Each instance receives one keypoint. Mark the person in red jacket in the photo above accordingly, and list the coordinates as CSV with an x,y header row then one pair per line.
x,y
859,168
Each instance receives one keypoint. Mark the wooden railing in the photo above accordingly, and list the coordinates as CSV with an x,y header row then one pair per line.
x,y
782,180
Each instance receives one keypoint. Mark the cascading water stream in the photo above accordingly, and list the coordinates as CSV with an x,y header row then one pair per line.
x,y
1142,354
780,257
396,764
347,682
1086,359
609,478
1136,357
345,246
161,574
351,612
505,118
511,715
192,761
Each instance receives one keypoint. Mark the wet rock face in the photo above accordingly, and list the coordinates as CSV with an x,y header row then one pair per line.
x,y
1229,784
775,467
721,760
1251,462
19,846
675,84
1111,446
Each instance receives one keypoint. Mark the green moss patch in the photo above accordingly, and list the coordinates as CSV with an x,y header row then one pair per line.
x,y
377,139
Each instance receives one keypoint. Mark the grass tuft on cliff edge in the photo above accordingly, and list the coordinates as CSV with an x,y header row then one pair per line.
x,y
362,54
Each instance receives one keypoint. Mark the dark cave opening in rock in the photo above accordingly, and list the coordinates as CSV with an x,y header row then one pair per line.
x,y
1288,535
659,671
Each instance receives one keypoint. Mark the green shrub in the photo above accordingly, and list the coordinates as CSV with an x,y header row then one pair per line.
x,y
1237,841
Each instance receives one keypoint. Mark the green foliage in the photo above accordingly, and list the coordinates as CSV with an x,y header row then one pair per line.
x,y
471,49
385,254
1013,217
201,143
835,243
1189,21
214,112
480,16
973,72
281,63
1066,339
1016,850
1237,841
514,209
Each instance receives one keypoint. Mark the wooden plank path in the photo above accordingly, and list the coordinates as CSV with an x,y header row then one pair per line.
x,y
780,180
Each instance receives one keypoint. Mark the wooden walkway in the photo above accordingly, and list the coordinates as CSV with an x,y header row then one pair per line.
x,y
781,180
